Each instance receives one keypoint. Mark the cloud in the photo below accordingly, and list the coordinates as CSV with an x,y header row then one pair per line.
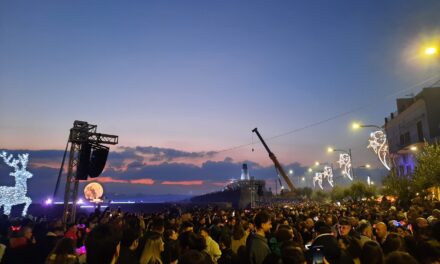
x,y
156,154
143,181
104,179
186,183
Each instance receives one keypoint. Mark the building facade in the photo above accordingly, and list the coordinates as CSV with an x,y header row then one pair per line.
x,y
416,120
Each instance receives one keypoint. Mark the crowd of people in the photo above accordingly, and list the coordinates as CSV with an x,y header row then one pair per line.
x,y
282,233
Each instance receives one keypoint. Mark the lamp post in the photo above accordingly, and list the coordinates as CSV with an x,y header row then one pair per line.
x,y
347,164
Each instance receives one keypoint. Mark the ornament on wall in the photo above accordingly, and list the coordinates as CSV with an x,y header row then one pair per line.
x,y
15,195
378,143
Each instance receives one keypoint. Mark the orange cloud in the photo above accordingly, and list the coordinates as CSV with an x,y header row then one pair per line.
x,y
182,182
106,179
145,181
221,184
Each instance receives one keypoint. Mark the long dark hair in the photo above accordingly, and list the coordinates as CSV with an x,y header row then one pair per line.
x,y
63,248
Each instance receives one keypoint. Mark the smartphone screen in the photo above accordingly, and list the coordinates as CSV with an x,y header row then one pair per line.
x,y
318,255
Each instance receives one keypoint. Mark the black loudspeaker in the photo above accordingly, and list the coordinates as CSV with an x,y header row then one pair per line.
x,y
82,169
97,161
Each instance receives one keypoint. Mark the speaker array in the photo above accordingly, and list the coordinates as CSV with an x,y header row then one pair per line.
x,y
92,161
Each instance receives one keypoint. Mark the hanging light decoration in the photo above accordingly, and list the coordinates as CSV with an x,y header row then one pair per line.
x,y
345,165
378,143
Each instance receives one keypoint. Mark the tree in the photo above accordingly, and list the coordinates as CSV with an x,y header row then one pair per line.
x,y
427,171
319,196
337,193
400,187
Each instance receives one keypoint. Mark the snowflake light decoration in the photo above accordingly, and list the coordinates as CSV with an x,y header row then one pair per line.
x,y
14,195
345,164
378,143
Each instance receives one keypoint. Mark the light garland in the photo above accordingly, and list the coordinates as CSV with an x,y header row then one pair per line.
x,y
319,176
345,164
378,143
10,196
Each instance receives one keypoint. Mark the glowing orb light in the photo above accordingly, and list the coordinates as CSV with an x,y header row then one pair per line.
x,y
94,192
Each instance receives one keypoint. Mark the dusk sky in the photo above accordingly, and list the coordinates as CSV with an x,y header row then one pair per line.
x,y
183,83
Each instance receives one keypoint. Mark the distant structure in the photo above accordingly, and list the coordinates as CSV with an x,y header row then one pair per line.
x,y
244,172
417,119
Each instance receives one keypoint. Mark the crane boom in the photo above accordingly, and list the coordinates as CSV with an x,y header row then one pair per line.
x,y
275,161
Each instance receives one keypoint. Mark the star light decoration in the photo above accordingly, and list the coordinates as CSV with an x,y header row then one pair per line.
x,y
378,143
319,176
15,195
345,164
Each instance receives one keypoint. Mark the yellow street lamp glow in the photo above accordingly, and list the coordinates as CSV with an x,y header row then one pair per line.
x,y
316,163
290,171
431,51
356,126
367,166
413,148
303,179
310,170
330,149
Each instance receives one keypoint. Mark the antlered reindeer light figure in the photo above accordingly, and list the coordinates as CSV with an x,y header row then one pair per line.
x,y
14,195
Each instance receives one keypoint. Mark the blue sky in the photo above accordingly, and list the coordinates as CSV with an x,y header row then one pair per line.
x,y
198,76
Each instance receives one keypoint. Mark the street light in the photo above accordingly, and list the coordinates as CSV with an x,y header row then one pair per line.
x,y
431,50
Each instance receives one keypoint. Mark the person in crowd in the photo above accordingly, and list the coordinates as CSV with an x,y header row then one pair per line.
x,y
258,247
227,255
292,254
365,231
400,257
381,232
152,250
239,237
21,247
372,253
171,251
103,244
63,253
193,257
212,247
129,244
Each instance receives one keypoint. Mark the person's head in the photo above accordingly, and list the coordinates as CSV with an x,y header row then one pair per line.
x,y
263,222
187,227
381,230
292,255
344,227
204,232
225,240
193,257
309,223
365,229
102,245
27,232
372,253
130,238
170,234
153,247
158,225
400,257
64,246
393,242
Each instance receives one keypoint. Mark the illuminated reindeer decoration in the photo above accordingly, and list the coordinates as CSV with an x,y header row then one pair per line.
x,y
10,196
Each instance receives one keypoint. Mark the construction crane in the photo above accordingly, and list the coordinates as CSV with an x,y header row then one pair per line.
x,y
275,161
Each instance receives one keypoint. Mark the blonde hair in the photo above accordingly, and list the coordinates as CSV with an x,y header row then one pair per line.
x,y
151,252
